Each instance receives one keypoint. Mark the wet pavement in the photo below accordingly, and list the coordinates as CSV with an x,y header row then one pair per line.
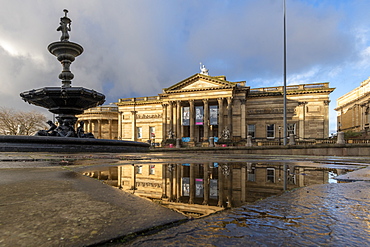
x,y
319,215
45,201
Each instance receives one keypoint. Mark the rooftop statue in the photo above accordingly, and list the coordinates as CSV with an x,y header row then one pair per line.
x,y
203,69
65,26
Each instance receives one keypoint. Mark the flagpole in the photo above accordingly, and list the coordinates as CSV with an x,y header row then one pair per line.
x,y
284,88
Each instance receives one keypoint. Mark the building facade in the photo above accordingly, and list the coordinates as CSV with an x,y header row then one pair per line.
x,y
353,109
101,121
204,106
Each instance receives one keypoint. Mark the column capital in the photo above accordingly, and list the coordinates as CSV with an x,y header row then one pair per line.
x,y
243,101
326,102
205,101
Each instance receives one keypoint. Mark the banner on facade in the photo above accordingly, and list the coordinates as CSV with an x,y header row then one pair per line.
x,y
186,186
213,189
199,115
199,189
186,116
213,115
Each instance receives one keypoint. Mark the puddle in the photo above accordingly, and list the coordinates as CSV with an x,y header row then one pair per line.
x,y
200,189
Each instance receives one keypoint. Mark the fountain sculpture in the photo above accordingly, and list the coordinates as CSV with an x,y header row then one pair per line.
x,y
66,102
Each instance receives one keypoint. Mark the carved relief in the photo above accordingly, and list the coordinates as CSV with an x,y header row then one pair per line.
x,y
144,116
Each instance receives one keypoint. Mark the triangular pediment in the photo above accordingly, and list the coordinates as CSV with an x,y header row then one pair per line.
x,y
199,82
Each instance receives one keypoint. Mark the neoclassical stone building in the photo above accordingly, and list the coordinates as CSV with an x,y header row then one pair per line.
x,y
102,121
203,106
353,109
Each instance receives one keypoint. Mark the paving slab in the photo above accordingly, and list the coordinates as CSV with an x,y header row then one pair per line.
x,y
52,206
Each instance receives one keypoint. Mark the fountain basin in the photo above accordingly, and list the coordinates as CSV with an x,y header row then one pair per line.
x,y
64,100
68,145
65,47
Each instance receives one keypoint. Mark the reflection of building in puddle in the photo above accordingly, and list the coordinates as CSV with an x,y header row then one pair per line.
x,y
201,189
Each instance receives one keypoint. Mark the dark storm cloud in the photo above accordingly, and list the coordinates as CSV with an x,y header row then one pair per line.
x,y
136,48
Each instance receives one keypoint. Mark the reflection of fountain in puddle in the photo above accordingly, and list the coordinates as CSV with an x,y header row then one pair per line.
x,y
198,190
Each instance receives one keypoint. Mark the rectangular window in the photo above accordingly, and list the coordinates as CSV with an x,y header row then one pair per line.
x,y
251,130
290,129
151,169
139,132
270,131
139,169
270,175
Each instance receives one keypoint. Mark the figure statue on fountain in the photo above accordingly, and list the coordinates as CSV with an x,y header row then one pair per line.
x,y
65,26
65,129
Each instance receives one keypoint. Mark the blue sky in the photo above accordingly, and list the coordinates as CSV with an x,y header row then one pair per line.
x,y
136,48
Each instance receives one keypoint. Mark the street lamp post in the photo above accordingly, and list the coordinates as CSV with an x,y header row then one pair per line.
x,y
284,93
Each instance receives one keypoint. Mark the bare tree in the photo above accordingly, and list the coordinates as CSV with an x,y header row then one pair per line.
x,y
19,122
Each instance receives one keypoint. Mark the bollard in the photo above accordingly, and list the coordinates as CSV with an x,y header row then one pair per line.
x,y
249,141
340,138
178,143
211,141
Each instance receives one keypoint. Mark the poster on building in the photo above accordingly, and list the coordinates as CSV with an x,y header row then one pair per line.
x,y
213,189
185,186
199,187
213,115
186,116
199,115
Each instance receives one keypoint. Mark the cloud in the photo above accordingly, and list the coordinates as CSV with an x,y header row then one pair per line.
x,y
136,48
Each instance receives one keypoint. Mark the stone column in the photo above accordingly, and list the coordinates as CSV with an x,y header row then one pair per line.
x,y
178,181
170,170
302,120
192,184
326,119
88,127
120,134
220,116
243,183
133,124
164,181
164,121
99,129
362,126
192,121
206,184
229,115
243,124
206,120
220,187
110,128
178,119
170,105
230,188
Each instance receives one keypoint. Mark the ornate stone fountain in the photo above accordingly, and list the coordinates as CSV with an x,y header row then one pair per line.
x,y
65,101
